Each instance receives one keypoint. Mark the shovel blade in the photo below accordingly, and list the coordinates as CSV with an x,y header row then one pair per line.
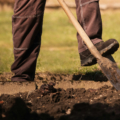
x,y
111,71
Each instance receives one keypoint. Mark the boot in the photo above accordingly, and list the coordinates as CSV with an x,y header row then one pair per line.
x,y
105,48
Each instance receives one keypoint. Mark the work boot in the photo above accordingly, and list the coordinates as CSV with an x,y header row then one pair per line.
x,y
105,48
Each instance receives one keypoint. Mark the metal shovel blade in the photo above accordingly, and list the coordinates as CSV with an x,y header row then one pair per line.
x,y
111,71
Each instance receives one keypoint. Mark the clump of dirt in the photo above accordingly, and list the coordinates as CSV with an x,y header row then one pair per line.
x,y
70,104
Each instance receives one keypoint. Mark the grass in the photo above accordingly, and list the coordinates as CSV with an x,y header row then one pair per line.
x,y
59,52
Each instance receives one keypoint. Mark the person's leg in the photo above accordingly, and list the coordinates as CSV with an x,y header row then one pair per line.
x,y
88,14
89,17
27,29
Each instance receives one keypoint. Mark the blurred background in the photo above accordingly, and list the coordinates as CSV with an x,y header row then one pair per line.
x,y
8,4
59,52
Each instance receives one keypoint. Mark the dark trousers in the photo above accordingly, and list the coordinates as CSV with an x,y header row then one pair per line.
x,y
88,14
27,29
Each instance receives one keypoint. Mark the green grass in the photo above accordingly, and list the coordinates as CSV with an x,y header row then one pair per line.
x,y
59,52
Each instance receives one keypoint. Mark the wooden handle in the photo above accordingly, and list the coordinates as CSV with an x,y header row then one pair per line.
x,y
80,30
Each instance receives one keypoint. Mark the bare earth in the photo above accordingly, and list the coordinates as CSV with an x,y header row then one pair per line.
x,y
70,104
75,97
63,81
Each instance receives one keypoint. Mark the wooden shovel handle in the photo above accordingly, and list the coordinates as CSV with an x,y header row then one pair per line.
x,y
80,30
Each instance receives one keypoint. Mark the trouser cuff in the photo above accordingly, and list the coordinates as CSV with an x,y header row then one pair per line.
x,y
94,41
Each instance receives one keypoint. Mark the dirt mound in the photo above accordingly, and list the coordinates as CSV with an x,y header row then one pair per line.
x,y
70,104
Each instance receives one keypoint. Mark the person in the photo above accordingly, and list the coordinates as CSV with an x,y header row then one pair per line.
x,y
27,30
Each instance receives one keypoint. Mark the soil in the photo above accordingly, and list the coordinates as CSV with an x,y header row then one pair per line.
x,y
47,76
69,104
93,80
102,103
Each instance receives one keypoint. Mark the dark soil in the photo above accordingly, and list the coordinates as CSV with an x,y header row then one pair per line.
x,y
47,76
70,104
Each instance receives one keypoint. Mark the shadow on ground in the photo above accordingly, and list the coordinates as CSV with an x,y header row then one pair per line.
x,y
19,110
82,111
91,76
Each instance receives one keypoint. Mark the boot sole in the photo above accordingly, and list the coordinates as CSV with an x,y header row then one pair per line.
x,y
104,52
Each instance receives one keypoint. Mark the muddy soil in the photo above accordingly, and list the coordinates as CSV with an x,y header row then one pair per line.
x,y
70,104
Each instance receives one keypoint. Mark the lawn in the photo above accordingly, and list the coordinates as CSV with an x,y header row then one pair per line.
x,y
59,52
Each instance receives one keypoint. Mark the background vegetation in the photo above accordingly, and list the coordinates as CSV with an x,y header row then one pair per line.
x,y
59,44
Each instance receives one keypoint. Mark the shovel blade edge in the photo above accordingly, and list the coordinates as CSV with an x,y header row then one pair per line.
x,y
111,71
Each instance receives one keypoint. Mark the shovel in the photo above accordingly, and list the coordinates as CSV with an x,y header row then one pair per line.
x,y
108,67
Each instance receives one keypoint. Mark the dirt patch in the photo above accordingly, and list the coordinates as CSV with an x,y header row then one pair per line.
x,y
75,97
77,104
89,80
47,76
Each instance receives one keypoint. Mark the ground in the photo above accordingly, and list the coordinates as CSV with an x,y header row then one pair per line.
x,y
82,103
77,104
